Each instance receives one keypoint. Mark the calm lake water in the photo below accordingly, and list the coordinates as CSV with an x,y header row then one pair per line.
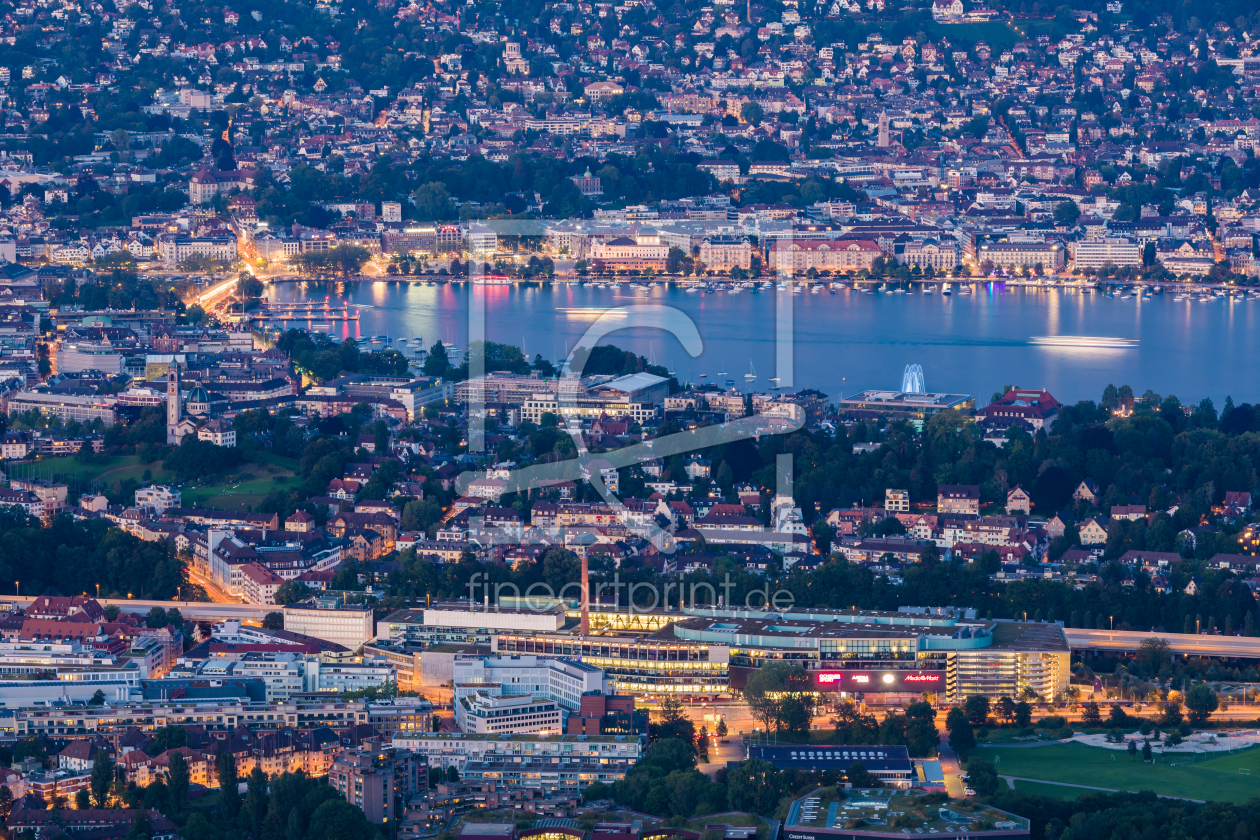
x,y
847,342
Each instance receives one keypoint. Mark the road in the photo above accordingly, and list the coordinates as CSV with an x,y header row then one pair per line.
x,y
950,764
212,589
722,750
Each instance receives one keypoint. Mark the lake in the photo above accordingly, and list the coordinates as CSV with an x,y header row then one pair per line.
x,y
1070,343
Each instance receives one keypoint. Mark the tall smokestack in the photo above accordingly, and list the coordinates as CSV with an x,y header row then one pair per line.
x,y
585,627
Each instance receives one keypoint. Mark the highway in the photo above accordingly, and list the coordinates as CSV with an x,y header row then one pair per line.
x,y
1245,647
194,610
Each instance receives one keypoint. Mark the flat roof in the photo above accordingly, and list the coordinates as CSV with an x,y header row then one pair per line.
x,y
890,759
498,736
906,398
634,382
772,627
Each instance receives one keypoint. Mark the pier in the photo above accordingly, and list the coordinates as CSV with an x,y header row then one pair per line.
x,y
316,311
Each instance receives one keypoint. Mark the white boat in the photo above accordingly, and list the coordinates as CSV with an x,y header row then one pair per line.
x,y
752,372
947,289
927,290
965,289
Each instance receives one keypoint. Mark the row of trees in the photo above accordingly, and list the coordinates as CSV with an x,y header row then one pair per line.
x,y
666,782
291,806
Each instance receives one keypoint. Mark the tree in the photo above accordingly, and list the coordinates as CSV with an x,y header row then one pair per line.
x,y
1006,709
1091,716
337,819
256,800
751,112
169,738
1132,750
229,794
962,739
102,778
156,618
1066,213
922,739
141,827
436,362
672,710
97,699
1201,701
275,620
82,799
177,779
860,777
289,592
1146,751
762,692
433,202
755,786
977,709
1023,713
982,776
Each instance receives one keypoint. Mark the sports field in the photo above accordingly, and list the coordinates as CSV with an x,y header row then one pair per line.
x,y
246,485
101,470
1217,778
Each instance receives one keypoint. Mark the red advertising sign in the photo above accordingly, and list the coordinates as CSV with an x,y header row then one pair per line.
x,y
893,681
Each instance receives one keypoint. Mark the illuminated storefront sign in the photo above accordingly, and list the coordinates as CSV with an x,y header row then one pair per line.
x,y
880,680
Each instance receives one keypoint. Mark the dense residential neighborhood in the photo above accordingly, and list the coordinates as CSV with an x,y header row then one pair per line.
x,y
276,578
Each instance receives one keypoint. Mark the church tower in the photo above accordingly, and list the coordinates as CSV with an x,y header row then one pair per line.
x,y
174,410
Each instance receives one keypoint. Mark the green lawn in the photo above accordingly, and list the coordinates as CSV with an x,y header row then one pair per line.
x,y
103,469
1217,778
997,34
1057,791
240,490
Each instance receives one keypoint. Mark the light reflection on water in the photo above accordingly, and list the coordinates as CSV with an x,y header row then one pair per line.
x,y
969,344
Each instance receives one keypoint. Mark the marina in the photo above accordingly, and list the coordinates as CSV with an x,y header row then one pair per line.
x,y
846,336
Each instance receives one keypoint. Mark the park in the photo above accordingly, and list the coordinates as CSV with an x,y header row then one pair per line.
x,y
1075,769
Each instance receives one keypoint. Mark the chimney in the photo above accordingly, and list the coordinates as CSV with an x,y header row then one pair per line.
x,y
585,627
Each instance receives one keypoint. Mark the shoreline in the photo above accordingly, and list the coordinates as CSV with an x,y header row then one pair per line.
x,y
764,284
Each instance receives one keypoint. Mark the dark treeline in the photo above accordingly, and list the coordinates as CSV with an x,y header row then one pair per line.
x,y
73,557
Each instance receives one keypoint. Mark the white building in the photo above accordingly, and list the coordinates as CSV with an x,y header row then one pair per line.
x,y
175,249
482,240
218,432
1095,253
159,497
330,619
482,712
391,211
561,680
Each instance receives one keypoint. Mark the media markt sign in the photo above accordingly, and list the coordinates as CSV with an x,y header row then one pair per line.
x,y
880,680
